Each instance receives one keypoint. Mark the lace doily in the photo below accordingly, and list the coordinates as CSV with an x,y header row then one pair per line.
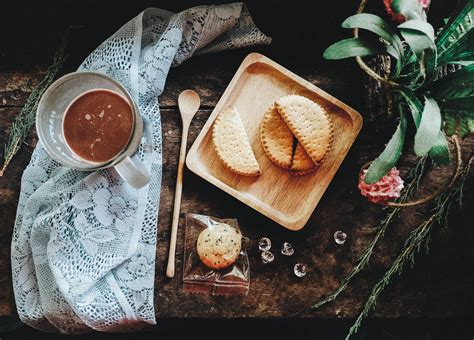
x,y
83,247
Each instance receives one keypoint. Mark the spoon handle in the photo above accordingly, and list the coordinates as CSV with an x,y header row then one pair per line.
x,y
177,202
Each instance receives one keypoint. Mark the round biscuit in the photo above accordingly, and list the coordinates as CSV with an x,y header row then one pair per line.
x,y
219,246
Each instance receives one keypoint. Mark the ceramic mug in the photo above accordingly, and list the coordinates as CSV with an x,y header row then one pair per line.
x,y
49,125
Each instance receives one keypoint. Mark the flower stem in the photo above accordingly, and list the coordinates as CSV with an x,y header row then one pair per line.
x,y
414,178
419,236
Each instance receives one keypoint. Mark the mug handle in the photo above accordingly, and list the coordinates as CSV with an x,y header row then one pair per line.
x,y
133,171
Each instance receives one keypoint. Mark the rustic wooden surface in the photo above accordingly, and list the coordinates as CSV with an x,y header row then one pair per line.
x,y
439,286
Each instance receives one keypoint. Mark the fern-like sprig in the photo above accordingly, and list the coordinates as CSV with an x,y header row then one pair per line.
x,y
418,238
25,120
413,180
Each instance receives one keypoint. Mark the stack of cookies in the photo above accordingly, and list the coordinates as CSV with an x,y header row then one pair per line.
x,y
296,134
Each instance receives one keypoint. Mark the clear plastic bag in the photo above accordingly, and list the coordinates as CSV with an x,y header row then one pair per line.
x,y
198,277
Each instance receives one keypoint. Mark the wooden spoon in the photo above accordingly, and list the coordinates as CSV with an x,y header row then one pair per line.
x,y
188,103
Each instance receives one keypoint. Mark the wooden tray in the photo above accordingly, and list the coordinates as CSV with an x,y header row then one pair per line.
x,y
286,199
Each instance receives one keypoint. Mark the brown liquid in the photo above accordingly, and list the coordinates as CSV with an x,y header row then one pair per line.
x,y
98,125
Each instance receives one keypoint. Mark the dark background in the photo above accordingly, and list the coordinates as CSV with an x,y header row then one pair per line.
x,y
30,30
301,30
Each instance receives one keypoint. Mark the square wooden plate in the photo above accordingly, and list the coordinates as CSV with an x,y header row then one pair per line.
x,y
286,199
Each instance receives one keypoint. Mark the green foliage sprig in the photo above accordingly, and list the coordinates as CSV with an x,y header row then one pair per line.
x,y
437,106
418,238
412,182
25,120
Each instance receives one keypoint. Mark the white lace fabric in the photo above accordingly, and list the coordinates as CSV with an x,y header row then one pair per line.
x,y
83,246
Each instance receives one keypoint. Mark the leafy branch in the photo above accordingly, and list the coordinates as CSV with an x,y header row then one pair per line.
x,y
25,120
438,106
419,237
413,179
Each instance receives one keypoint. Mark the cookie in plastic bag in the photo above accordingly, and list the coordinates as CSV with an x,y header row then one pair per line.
x,y
216,260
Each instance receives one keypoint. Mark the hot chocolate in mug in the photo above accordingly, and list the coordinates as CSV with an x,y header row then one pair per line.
x,y
89,121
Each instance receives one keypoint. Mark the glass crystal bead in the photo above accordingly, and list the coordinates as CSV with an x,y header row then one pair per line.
x,y
267,257
300,269
340,237
264,244
287,249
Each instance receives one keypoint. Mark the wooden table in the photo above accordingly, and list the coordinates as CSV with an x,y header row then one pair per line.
x,y
439,286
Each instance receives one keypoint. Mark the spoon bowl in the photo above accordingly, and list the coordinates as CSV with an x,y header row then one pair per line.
x,y
188,103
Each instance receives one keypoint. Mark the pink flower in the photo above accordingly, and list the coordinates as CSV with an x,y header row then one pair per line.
x,y
386,189
424,3
401,17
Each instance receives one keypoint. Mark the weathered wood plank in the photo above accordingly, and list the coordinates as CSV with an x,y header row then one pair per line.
x,y
275,292
428,291
206,74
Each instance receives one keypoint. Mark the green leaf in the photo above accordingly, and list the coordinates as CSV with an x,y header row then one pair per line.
x,y
466,126
430,126
353,47
389,157
462,50
409,8
459,122
419,35
460,103
381,28
455,39
421,26
450,124
439,152
462,63
453,85
377,25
